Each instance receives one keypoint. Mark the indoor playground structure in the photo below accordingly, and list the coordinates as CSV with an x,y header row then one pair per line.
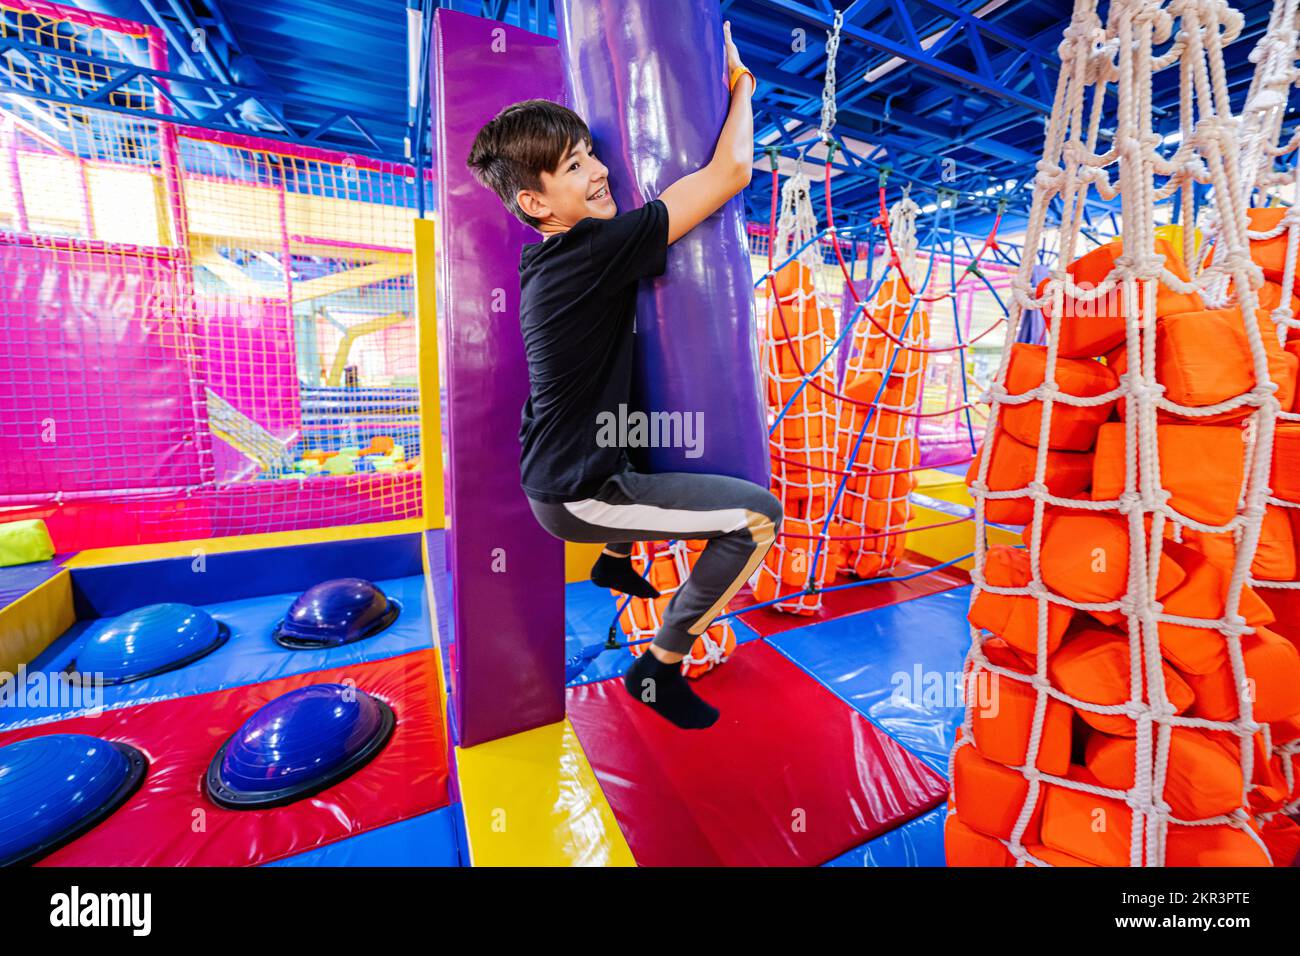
x,y
1007,320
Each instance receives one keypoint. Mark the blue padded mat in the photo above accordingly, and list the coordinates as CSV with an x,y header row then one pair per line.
x,y
249,657
426,840
588,612
17,580
918,842
900,666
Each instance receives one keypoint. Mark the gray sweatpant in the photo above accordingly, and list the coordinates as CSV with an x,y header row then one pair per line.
x,y
738,518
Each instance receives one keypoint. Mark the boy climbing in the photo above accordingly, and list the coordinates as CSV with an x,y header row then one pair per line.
x,y
578,290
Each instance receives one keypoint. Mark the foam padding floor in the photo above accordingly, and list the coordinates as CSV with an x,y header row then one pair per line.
x,y
427,840
170,822
789,776
918,842
900,666
882,592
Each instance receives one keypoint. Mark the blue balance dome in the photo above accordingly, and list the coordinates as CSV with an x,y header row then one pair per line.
x,y
297,745
336,612
56,787
147,641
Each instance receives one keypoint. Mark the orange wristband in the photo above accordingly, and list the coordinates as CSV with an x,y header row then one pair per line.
x,y
736,74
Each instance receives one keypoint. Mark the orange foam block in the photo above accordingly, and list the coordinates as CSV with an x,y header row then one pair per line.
x,y
1085,557
1269,296
1221,845
1285,605
1055,857
1086,826
1094,328
791,278
863,387
1003,715
1205,494
1072,428
1204,357
1014,617
1275,554
990,796
1092,665
1282,837
876,554
1272,666
719,634
646,614
1012,465
1202,779
963,846
1285,476
1268,254
1202,594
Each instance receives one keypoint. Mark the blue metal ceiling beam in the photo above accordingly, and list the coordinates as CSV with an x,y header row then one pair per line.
x,y
109,76
942,71
853,90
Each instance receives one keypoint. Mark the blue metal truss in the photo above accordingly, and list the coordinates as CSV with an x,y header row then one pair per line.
x,y
101,82
943,95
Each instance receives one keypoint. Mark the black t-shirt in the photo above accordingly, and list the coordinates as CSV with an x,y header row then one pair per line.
x,y
577,305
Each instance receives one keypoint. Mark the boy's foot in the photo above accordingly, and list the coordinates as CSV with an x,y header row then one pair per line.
x,y
663,689
616,571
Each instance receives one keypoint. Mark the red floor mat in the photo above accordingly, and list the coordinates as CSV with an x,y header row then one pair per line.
x,y
170,822
789,776
767,621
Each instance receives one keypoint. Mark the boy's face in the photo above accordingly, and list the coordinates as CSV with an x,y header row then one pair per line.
x,y
577,189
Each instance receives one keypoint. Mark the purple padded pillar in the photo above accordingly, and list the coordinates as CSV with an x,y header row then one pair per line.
x,y
507,573
649,77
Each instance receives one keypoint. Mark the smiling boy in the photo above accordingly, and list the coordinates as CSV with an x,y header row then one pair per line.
x,y
577,307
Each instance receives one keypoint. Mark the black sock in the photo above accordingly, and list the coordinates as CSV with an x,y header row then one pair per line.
x,y
613,571
663,689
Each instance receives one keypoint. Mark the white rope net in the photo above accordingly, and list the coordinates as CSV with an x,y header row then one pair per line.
x,y
874,508
1123,681
1274,572
799,337
670,564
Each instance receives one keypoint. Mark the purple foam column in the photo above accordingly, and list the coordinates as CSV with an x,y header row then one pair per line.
x,y
649,77
507,573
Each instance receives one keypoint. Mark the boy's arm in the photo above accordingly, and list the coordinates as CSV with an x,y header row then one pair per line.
x,y
692,199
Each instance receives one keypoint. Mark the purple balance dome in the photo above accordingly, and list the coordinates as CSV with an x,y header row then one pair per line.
x,y
298,744
336,612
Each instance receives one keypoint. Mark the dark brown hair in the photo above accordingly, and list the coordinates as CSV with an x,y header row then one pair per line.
x,y
521,142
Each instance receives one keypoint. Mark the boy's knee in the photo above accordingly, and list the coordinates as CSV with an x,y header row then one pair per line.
x,y
768,505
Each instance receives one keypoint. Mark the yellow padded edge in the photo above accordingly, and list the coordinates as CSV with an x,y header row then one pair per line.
x,y
940,484
31,623
240,542
532,799
430,398
578,559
